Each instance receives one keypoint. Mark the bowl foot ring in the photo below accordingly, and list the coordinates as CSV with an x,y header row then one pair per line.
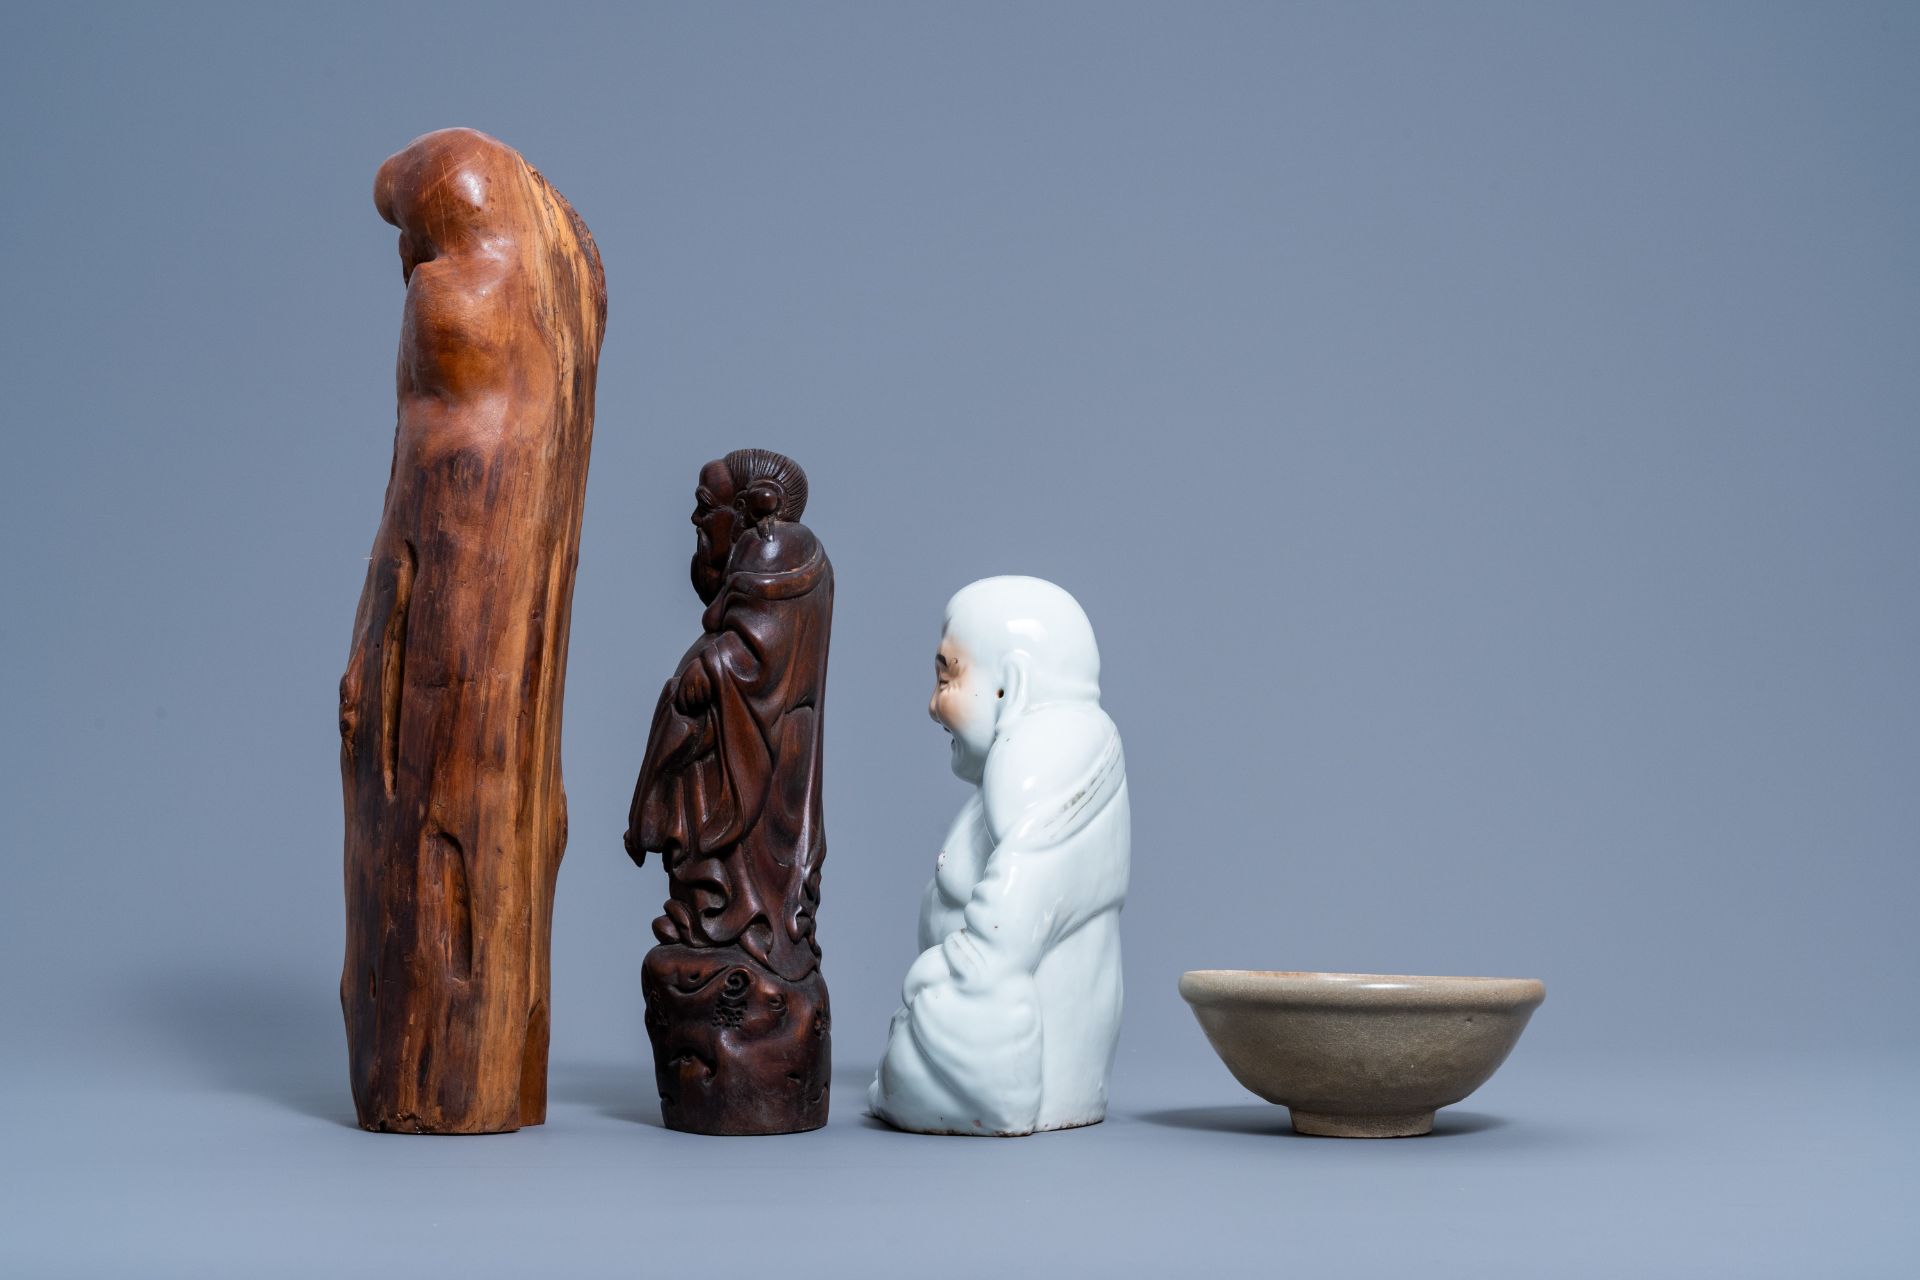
x,y
1407,1124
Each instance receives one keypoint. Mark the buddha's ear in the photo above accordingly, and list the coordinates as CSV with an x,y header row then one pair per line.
x,y
1012,693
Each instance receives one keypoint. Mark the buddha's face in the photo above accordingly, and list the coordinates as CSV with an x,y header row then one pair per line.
x,y
713,522
967,698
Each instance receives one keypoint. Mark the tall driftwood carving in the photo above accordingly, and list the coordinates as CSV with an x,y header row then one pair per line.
x,y
729,796
450,706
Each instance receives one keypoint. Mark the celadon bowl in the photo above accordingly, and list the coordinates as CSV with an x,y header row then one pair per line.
x,y
1360,1055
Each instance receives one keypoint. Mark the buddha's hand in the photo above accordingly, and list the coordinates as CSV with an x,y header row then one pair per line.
x,y
694,691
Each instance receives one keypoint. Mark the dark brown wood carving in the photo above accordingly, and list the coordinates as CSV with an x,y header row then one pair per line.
x,y
729,796
450,706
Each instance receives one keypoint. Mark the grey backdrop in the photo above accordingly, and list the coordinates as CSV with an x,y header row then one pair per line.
x,y
1484,437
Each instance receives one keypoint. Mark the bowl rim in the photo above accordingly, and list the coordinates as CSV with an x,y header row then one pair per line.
x,y
1309,987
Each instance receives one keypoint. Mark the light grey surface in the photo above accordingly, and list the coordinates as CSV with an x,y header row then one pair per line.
x,y
1485,438
1784,1167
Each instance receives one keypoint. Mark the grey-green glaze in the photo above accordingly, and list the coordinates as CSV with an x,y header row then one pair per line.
x,y
1355,1054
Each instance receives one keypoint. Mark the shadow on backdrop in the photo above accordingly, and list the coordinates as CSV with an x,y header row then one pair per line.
x,y
1052,1136
621,1091
626,1092
1271,1121
277,1037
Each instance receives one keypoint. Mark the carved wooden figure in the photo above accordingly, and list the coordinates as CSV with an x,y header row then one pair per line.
x,y
729,796
450,706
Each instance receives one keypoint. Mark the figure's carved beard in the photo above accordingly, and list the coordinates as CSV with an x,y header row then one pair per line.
x,y
708,572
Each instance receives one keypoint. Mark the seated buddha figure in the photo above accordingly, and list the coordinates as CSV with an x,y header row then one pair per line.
x,y
1010,1014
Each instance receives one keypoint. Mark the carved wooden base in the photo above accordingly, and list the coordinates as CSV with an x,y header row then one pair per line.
x,y
736,1050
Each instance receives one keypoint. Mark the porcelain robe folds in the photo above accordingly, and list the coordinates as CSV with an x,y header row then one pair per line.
x,y
1011,1013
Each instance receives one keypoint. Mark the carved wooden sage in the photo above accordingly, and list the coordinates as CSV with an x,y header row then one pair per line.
x,y
450,706
729,796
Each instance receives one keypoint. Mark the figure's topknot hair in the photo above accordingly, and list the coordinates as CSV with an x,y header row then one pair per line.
x,y
764,467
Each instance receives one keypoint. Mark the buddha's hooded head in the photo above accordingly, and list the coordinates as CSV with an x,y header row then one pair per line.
x,y
1011,645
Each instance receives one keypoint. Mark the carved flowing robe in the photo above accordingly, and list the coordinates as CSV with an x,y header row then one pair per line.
x,y
729,795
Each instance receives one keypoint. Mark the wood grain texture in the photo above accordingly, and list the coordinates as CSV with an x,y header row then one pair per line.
x,y
450,706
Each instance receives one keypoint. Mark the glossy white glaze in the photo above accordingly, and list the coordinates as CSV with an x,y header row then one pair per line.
x,y
1011,1013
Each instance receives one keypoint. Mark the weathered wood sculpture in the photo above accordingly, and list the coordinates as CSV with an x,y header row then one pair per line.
x,y
729,796
450,706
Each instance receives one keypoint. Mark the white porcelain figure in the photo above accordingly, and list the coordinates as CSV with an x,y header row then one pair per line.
x,y
1011,1012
